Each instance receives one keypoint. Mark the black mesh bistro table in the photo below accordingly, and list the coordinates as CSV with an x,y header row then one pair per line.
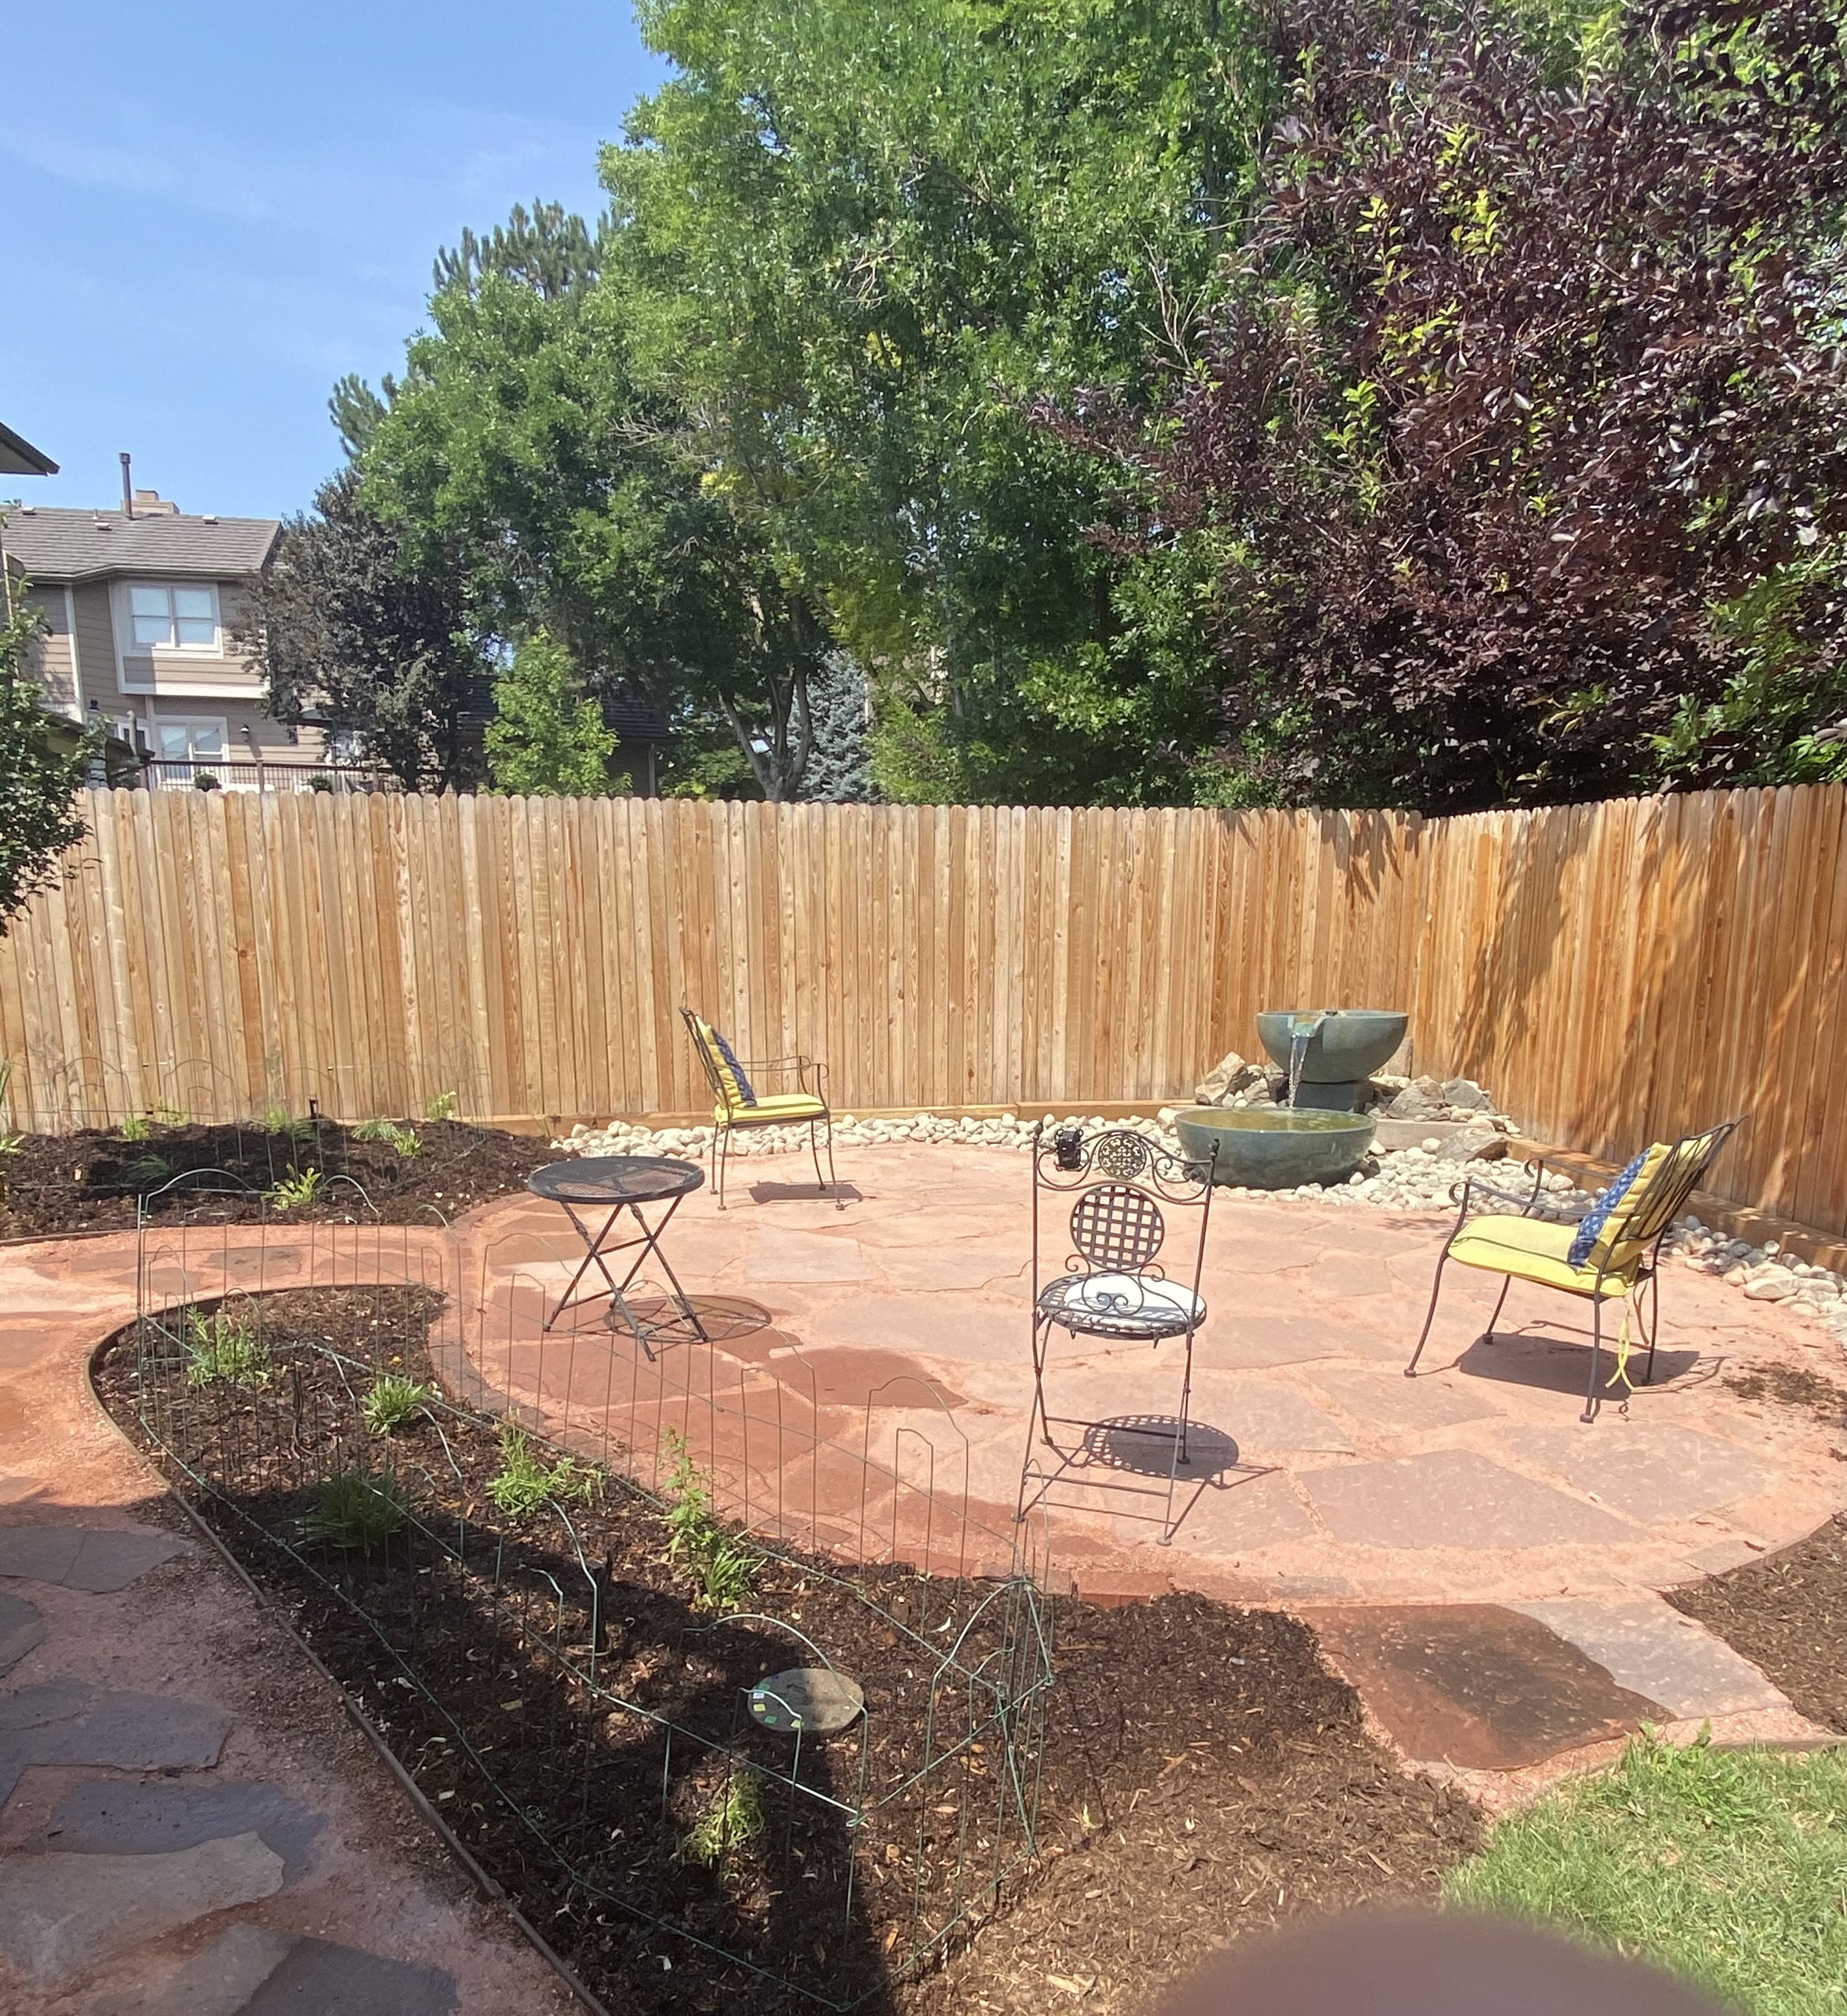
x,y
589,1184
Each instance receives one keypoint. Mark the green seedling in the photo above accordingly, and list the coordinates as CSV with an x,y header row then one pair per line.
x,y
300,1186
404,1140
137,1126
720,1568
279,1120
393,1400
733,1819
147,1172
353,1510
224,1351
525,1481
441,1107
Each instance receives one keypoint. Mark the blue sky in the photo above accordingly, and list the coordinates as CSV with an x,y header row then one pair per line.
x,y
212,209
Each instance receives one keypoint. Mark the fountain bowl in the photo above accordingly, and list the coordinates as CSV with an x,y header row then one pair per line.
x,y
1350,1044
1273,1148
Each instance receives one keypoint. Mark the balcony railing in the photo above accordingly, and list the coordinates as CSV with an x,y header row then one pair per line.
x,y
209,773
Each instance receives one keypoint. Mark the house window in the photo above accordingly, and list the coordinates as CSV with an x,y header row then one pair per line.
x,y
185,619
190,740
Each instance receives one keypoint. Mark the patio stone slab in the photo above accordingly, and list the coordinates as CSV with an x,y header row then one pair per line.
x,y
839,1376
99,1560
218,1980
950,1324
1453,1498
1265,1414
1647,1646
63,1721
1385,1399
21,1627
805,1256
1476,1685
60,1913
316,1975
105,1816
24,1340
1654,1470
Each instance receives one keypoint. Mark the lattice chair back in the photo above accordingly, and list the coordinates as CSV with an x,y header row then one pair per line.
x,y
1117,1228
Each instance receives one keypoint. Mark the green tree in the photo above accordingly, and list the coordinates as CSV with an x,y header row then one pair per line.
x,y
864,235
39,818
840,763
355,632
546,738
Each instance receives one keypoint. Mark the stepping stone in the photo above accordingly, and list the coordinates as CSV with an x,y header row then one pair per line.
x,y
60,1913
316,1975
806,1256
99,1559
1649,1647
217,1981
1653,1471
1453,1498
21,1627
63,1721
1476,1685
104,1816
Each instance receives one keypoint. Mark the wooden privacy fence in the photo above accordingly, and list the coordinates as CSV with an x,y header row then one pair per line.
x,y
1612,971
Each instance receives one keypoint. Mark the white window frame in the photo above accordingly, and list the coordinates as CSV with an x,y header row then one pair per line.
x,y
190,723
168,591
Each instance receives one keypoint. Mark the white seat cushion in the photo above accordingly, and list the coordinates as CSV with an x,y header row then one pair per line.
x,y
1122,1304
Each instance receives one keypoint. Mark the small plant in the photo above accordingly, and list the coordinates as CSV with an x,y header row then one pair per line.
x,y
353,1509
137,1126
733,1819
721,1569
147,1172
224,1351
405,1139
392,1401
300,1186
279,1120
441,1107
206,780
525,1481
320,781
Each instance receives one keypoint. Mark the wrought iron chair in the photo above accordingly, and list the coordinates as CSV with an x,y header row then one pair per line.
x,y
1623,1259
739,1105
1112,1286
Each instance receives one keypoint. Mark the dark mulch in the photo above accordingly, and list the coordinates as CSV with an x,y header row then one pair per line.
x,y
91,1180
1787,1613
1202,1774
1793,1386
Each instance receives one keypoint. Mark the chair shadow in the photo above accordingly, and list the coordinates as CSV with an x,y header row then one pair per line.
x,y
1143,1444
1552,1364
805,1193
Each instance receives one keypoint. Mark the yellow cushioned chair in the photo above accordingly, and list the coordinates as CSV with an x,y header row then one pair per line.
x,y
1622,1258
739,1104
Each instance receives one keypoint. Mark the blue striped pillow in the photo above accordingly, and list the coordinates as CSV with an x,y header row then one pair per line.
x,y
746,1097
1598,1215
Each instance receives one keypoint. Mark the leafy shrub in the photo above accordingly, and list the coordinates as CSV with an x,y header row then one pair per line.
x,y
720,1568
353,1509
525,1481
392,1401
732,1820
224,1350
279,1120
137,1126
300,1186
405,1139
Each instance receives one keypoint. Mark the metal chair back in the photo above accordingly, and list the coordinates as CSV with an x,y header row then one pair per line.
x,y
1117,1228
1665,1195
707,1057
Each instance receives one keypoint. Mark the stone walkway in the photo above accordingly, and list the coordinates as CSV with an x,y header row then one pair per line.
x,y
189,1825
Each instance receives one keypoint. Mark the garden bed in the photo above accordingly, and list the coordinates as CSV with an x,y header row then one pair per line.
x,y
98,1180
1194,1769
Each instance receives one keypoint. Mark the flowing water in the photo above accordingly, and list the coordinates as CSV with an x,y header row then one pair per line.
x,y
1302,1031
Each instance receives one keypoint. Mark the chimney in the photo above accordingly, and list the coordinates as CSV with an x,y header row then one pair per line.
x,y
151,504
127,487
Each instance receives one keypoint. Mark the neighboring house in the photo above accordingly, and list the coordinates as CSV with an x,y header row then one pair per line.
x,y
642,732
18,457
139,605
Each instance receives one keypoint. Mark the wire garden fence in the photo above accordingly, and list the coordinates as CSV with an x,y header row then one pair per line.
x,y
726,1701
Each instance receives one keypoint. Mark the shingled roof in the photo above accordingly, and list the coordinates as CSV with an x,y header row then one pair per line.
x,y
57,545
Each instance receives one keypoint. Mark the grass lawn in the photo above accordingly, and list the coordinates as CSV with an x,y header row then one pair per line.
x,y
1728,1867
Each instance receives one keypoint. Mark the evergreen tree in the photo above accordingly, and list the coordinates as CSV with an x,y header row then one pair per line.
x,y
839,768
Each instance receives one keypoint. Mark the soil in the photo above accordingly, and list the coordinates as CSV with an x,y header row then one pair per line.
x,y
1200,1771
96,1181
1795,1386
1787,1613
